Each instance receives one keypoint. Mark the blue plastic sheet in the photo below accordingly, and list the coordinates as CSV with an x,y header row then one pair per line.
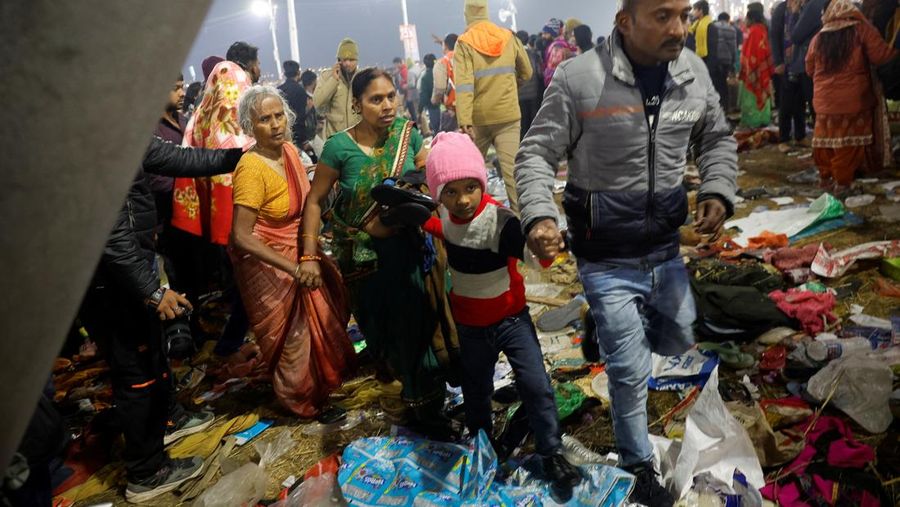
x,y
409,471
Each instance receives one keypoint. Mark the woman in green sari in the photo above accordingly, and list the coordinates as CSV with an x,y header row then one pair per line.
x,y
395,276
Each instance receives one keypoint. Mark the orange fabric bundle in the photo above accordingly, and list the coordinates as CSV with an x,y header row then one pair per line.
x,y
767,239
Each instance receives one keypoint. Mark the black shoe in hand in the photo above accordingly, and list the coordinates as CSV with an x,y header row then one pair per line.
x,y
390,195
647,489
406,214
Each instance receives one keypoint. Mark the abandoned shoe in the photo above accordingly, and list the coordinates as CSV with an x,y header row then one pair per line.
x,y
560,473
558,318
170,476
186,423
390,195
647,489
406,214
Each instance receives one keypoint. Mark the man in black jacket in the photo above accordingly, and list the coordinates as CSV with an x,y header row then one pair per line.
x,y
295,94
128,305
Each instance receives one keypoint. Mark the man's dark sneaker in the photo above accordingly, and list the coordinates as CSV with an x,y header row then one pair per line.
x,y
590,346
647,489
406,214
170,476
560,473
390,195
186,423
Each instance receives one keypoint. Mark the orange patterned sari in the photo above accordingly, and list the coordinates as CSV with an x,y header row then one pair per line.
x,y
301,332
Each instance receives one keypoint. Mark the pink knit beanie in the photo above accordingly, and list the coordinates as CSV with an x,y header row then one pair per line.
x,y
453,157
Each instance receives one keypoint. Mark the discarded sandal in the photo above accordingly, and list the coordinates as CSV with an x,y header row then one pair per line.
x,y
390,195
406,214
730,355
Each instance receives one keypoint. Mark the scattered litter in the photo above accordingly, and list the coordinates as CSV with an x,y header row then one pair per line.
x,y
413,471
252,432
782,201
810,175
247,484
861,387
858,201
787,221
835,264
714,442
673,373
352,420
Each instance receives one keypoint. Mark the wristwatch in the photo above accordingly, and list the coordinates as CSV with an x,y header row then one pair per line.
x,y
156,297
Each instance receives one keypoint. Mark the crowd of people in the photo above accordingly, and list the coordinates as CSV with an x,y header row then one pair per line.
x,y
243,181
824,65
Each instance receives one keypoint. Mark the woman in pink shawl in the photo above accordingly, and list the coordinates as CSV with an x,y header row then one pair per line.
x,y
301,332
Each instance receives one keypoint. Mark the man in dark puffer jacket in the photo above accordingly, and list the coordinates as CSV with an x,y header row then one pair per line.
x,y
128,305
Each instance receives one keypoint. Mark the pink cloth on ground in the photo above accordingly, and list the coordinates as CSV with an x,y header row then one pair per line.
x,y
807,307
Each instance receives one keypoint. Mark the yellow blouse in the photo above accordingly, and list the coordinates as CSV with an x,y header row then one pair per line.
x,y
258,187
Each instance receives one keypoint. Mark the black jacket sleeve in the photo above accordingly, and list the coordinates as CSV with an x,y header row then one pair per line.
x,y
167,159
776,34
123,261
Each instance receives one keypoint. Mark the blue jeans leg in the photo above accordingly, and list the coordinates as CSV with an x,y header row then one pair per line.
x,y
517,338
637,311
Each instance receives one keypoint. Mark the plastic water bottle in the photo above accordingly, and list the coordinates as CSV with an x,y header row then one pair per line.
x,y
832,349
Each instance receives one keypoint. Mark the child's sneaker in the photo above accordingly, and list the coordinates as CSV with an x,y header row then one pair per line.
x,y
560,473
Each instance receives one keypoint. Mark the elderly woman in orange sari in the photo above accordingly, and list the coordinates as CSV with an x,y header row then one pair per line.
x,y
301,331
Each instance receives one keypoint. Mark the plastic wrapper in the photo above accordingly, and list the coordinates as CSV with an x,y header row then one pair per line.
x,y
862,392
246,486
714,442
411,471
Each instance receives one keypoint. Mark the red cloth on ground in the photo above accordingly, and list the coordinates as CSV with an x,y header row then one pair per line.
x,y
788,258
811,309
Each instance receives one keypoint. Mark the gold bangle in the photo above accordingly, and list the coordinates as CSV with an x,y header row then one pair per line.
x,y
304,258
310,236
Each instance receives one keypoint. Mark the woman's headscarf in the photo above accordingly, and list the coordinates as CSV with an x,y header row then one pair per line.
x,y
840,14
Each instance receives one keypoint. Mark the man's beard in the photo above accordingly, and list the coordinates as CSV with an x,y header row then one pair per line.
x,y
172,110
348,75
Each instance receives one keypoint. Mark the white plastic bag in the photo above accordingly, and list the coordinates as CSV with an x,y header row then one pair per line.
x,y
320,491
246,486
715,442
863,391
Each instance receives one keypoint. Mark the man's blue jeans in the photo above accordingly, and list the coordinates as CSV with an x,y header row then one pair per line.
x,y
638,310
516,337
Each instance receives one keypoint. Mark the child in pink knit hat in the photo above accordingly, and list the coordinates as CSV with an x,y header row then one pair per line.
x,y
484,244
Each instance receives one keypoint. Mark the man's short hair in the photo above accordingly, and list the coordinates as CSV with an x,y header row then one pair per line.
x,y
428,60
628,5
703,5
291,69
242,54
308,77
398,60
523,37
450,41
180,77
724,16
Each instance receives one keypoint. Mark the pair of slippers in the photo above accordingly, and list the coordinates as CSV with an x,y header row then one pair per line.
x,y
403,207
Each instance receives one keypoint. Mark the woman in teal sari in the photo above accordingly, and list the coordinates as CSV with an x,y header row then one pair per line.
x,y
395,276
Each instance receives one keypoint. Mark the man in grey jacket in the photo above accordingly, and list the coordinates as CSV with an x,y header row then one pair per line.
x,y
623,115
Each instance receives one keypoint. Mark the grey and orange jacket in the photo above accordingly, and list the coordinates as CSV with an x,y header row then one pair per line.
x,y
624,198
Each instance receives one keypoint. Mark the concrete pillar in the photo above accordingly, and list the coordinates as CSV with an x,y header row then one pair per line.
x,y
83,84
